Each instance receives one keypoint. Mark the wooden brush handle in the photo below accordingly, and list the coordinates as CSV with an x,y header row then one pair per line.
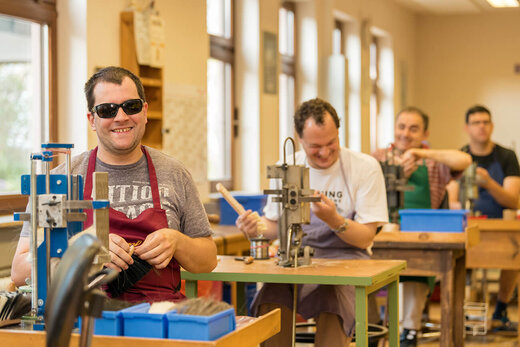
x,y
230,199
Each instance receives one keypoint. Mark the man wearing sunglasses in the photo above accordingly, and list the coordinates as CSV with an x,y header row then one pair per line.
x,y
155,209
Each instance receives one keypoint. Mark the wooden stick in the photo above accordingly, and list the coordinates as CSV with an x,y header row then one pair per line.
x,y
261,227
230,199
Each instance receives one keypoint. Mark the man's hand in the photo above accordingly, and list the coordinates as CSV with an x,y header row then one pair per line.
x,y
119,253
326,211
409,161
159,247
247,224
483,177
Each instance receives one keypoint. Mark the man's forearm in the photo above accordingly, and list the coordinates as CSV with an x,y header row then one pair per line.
x,y
454,159
196,254
358,235
502,196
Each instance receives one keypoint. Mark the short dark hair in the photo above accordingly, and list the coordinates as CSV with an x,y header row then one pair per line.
x,y
111,74
416,110
314,108
476,109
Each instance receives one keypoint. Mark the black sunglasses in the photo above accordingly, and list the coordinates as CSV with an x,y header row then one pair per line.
x,y
109,110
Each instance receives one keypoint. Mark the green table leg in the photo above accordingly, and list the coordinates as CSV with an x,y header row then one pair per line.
x,y
361,317
191,288
393,313
241,299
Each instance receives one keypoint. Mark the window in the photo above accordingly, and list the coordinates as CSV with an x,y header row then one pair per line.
x,y
27,91
286,48
382,96
338,42
375,93
220,92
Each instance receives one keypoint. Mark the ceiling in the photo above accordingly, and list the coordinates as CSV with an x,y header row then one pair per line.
x,y
445,7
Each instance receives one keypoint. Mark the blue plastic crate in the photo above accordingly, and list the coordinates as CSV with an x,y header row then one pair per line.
x,y
202,328
250,202
137,322
110,323
433,220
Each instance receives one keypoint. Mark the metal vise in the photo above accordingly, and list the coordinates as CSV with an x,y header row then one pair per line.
x,y
396,185
469,188
294,196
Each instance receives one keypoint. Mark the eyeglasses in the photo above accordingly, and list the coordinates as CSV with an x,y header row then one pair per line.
x,y
479,122
109,110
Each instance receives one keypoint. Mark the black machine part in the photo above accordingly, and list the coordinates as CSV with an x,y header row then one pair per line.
x,y
71,288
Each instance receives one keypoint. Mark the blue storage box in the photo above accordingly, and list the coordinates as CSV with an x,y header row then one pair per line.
x,y
433,220
137,322
253,202
202,328
110,323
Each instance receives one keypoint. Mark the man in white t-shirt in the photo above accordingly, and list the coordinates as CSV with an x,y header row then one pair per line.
x,y
343,224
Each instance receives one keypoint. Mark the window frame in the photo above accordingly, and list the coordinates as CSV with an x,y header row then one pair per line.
x,y
288,65
41,12
223,49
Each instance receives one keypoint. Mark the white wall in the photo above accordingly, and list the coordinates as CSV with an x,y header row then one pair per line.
x,y
467,59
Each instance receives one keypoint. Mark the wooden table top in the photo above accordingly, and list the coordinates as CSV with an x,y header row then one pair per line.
x,y
364,272
495,224
428,240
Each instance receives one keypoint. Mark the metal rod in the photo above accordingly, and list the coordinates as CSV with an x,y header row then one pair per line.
x,y
68,167
294,150
47,237
34,240
87,328
295,302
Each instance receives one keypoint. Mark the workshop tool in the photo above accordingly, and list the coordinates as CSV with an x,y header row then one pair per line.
x,y
127,278
469,189
294,197
13,305
259,248
245,259
73,292
56,206
395,183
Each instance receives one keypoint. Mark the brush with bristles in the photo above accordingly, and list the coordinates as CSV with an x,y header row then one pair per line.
x,y
129,277
260,226
13,305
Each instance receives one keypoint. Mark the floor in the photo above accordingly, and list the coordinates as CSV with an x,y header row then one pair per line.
x,y
489,340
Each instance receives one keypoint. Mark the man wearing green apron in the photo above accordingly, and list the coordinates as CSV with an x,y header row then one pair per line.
x,y
428,171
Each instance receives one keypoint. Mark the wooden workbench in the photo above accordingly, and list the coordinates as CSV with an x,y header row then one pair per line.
x,y
229,240
249,333
434,254
499,246
366,275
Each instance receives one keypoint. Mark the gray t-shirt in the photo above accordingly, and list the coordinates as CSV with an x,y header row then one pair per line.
x,y
129,191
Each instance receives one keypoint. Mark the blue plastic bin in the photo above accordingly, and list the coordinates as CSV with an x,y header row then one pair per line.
x,y
253,202
137,322
202,328
110,323
433,220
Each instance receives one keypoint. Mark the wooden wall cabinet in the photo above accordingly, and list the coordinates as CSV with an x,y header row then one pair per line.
x,y
151,77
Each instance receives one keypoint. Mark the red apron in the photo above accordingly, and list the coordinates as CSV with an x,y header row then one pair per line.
x,y
156,285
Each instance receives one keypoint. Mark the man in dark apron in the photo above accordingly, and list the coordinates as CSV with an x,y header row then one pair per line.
x,y
154,204
498,175
343,225
428,171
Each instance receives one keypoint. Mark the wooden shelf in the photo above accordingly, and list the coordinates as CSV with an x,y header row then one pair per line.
x,y
151,77
155,115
